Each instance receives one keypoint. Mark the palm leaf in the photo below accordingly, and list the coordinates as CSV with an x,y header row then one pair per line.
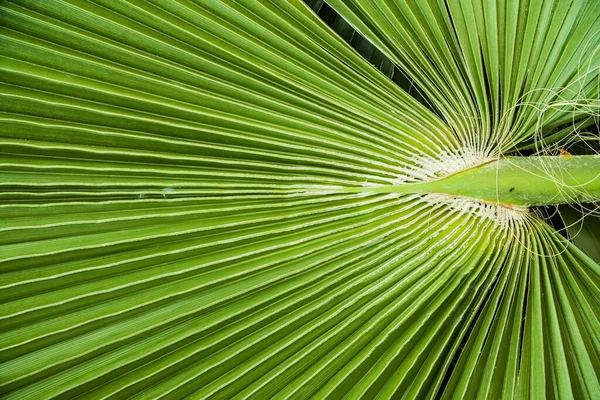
x,y
584,229
499,72
175,220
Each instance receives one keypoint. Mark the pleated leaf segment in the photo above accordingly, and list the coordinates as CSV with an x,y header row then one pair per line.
x,y
223,199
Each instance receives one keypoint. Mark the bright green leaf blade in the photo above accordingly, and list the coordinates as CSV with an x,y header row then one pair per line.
x,y
499,72
173,225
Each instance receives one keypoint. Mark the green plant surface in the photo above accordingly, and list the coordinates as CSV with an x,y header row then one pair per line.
x,y
584,228
189,201
514,181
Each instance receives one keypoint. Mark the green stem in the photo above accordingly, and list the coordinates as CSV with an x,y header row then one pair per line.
x,y
521,181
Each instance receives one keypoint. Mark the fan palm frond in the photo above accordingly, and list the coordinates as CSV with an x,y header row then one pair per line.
x,y
188,208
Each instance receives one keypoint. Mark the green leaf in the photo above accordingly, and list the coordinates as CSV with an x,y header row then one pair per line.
x,y
178,219
499,72
584,229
